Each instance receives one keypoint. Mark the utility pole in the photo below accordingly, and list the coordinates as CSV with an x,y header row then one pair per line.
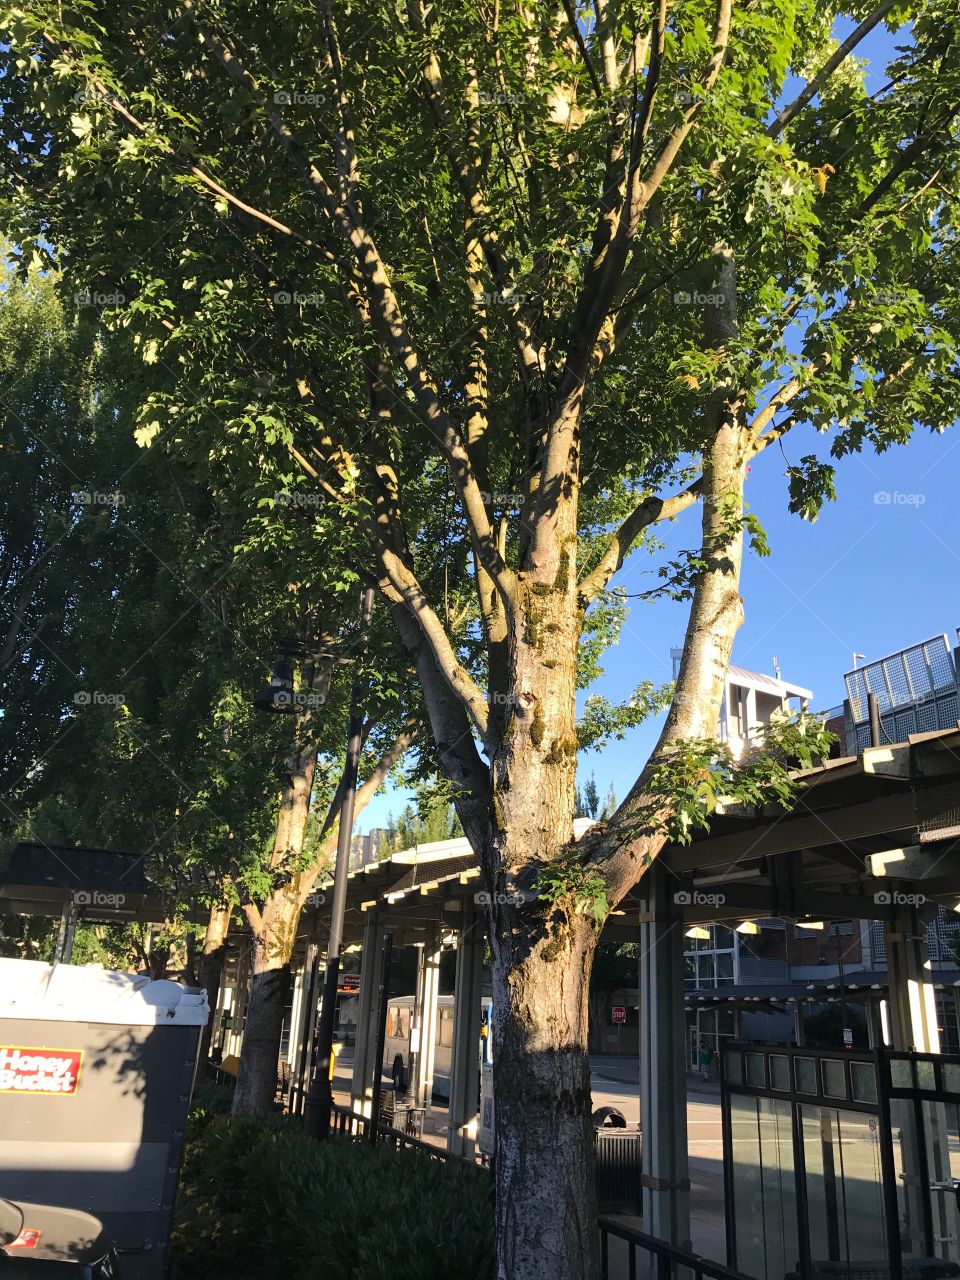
x,y
319,1102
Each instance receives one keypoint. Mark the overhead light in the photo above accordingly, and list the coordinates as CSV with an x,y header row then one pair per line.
x,y
279,695
748,926
811,924
956,905
697,931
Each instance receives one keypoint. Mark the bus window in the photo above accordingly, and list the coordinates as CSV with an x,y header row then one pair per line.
x,y
404,1032
486,1034
445,1030
392,1022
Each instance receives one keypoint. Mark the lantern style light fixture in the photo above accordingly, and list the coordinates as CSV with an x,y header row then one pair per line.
x,y
278,696
697,931
748,927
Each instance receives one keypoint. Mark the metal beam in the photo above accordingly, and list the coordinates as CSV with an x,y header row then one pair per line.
x,y
791,834
663,1077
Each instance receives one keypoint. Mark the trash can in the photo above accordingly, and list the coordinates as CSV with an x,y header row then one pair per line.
x,y
96,1071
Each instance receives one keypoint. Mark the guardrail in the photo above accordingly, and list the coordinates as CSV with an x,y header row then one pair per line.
x,y
647,1258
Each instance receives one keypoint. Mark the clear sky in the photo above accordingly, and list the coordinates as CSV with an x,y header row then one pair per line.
x,y
870,576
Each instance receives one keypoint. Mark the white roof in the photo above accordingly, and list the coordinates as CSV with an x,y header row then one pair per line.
x,y
75,993
459,846
768,684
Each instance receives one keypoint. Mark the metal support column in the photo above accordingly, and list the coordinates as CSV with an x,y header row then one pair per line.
x,y
428,988
364,1057
63,951
925,1155
465,1055
663,1065
913,1012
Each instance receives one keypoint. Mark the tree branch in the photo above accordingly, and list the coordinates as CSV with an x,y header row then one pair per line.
x,y
816,83
649,511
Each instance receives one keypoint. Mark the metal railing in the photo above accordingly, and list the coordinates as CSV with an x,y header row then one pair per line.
x,y
644,1257
641,1257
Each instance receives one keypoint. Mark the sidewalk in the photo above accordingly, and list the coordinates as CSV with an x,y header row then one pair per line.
x,y
627,1071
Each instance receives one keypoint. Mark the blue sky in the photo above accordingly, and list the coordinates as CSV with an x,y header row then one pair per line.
x,y
870,576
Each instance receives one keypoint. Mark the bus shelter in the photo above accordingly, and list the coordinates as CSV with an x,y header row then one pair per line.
x,y
874,837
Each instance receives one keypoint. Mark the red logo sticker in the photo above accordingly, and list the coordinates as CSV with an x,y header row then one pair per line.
x,y
28,1238
47,1071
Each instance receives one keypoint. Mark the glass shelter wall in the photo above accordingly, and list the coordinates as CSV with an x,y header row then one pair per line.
x,y
841,1163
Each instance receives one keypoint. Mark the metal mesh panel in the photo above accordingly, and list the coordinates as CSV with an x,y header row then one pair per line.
x,y
897,678
909,676
863,737
938,655
857,694
948,711
905,723
878,942
919,671
873,677
943,935
927,719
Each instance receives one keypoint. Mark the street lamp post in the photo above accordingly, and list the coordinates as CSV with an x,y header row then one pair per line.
x,y
319,1101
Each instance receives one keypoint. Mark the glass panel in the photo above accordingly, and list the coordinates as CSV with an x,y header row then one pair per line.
x,y
844,1187
725,967
926,1076
951,1077
723,938
806,1069
732,1069
780,1072
907,1176
901,1075
755,1073
764,1192
863,1080
834,1084
941,1137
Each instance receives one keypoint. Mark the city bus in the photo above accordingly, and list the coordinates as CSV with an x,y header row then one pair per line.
x,y
397,1050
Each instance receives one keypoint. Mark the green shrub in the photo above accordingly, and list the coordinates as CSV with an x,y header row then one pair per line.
x,y
259,1199
209,1101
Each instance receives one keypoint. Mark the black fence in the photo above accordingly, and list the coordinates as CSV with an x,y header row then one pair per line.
x,y
625,1254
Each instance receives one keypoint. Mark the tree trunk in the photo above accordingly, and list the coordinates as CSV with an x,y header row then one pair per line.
x,y
275,929
546,1214
257,1078
542,957
210,970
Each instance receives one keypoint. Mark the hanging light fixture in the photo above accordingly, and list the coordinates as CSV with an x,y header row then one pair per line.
x,y
278,695
697,931
748,927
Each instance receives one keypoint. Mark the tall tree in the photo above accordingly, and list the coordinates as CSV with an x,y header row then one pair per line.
x,y
532,281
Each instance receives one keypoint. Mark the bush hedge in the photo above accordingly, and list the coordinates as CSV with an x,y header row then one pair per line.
x,y
259,1199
